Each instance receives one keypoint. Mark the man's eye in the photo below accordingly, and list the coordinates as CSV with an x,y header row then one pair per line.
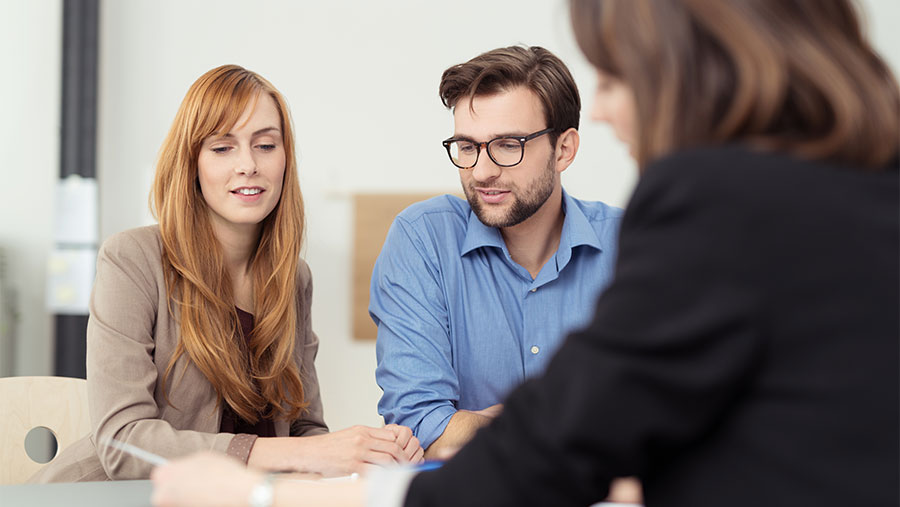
x,y
508,145
466,148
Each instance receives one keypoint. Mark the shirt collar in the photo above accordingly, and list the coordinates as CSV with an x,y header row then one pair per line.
x,y
576,231
479,235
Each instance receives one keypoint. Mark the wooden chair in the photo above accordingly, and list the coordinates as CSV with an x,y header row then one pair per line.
x,y
57,403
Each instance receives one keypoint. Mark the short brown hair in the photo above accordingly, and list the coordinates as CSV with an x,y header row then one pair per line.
x,y
792,75
502,69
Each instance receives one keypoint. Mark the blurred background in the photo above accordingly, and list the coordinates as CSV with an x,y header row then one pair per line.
x,y
361,79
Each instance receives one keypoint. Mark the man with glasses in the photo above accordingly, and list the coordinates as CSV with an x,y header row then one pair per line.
x,y
473,297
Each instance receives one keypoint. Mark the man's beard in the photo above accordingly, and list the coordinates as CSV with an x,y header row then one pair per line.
x,y
527,201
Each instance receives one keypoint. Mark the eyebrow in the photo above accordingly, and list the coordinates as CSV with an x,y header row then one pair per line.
x,y
463,137
258,132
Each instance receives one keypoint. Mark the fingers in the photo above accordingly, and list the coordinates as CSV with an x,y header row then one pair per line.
x,y
379,458
390,449
392,444
412,447
418,456
406,440
385,455
381,433
402,434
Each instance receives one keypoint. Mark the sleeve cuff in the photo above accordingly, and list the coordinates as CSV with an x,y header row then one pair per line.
x,y
240,446
434,424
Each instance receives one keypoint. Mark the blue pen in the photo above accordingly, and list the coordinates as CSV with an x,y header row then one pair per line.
x,y
428,465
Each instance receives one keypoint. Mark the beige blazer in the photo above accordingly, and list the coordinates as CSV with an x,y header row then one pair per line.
x,y
131,337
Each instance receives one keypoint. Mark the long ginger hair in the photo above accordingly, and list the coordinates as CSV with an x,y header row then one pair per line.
x,y
790,75
198,285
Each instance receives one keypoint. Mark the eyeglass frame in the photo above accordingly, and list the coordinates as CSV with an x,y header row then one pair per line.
x,y
522,140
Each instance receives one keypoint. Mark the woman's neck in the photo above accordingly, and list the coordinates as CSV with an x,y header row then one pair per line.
x,y
238,245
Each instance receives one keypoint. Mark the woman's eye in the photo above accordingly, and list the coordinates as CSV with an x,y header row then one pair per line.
x,y
220,149
266,147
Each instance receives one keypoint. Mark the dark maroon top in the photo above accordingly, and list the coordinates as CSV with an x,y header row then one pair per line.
x,y
231,422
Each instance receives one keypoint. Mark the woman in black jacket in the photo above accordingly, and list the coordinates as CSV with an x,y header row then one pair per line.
x,y
747,351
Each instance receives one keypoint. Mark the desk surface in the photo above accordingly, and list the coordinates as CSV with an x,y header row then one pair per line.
x,y
99,494
78,494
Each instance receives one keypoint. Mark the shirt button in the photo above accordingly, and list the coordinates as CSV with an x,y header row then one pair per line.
x,y
534,290
535,349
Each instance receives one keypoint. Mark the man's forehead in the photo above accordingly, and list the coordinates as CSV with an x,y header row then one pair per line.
x,y
517,97
502,113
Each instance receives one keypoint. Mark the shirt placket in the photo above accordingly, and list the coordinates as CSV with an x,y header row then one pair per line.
x,y
536,344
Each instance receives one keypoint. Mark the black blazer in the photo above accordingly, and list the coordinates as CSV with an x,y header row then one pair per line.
x,y
746,353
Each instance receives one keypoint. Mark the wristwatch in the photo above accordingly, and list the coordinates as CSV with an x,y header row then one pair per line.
x,y
263,493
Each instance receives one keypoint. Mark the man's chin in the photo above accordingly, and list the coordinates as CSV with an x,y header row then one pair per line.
x,y
493,217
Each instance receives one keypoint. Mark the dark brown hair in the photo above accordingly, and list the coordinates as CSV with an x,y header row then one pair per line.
x,y
791,75
505,68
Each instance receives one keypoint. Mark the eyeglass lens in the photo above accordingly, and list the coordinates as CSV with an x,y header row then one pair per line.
x,y
503,151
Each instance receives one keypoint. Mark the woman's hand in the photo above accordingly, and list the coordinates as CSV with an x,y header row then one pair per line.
x,y
214,480
410,444
203,479
340,453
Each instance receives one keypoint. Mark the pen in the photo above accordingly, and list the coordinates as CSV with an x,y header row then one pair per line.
x,y
428,465
137,452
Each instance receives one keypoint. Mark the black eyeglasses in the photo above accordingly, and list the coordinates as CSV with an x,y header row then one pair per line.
x,y
504,151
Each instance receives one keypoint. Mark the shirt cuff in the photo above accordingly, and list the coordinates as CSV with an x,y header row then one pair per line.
x,y
432,426
240,446
387,487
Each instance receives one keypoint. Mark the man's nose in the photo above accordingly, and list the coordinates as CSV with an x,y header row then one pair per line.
x,y
485,169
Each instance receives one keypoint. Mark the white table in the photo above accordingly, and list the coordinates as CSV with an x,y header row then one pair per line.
x,y
78,494
101,494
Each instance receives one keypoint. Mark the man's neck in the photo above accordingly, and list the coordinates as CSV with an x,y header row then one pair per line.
x,y
533,242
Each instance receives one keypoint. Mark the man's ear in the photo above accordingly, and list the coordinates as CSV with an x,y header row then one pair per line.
x,y
566,148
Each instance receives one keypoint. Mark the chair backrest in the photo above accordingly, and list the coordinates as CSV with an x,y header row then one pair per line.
x,y
57,403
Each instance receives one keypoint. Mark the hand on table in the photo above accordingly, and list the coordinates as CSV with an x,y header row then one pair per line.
x,y
353,450
410,444
203,479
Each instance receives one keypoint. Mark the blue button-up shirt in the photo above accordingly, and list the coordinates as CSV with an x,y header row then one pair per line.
x,y
460,323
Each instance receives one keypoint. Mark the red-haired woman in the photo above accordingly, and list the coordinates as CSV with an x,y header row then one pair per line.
x,y
199,335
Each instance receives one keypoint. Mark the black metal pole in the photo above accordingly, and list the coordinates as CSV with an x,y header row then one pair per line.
x,y
78,141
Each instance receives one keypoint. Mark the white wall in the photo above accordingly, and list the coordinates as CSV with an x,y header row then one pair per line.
x,y
30,53
361,78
